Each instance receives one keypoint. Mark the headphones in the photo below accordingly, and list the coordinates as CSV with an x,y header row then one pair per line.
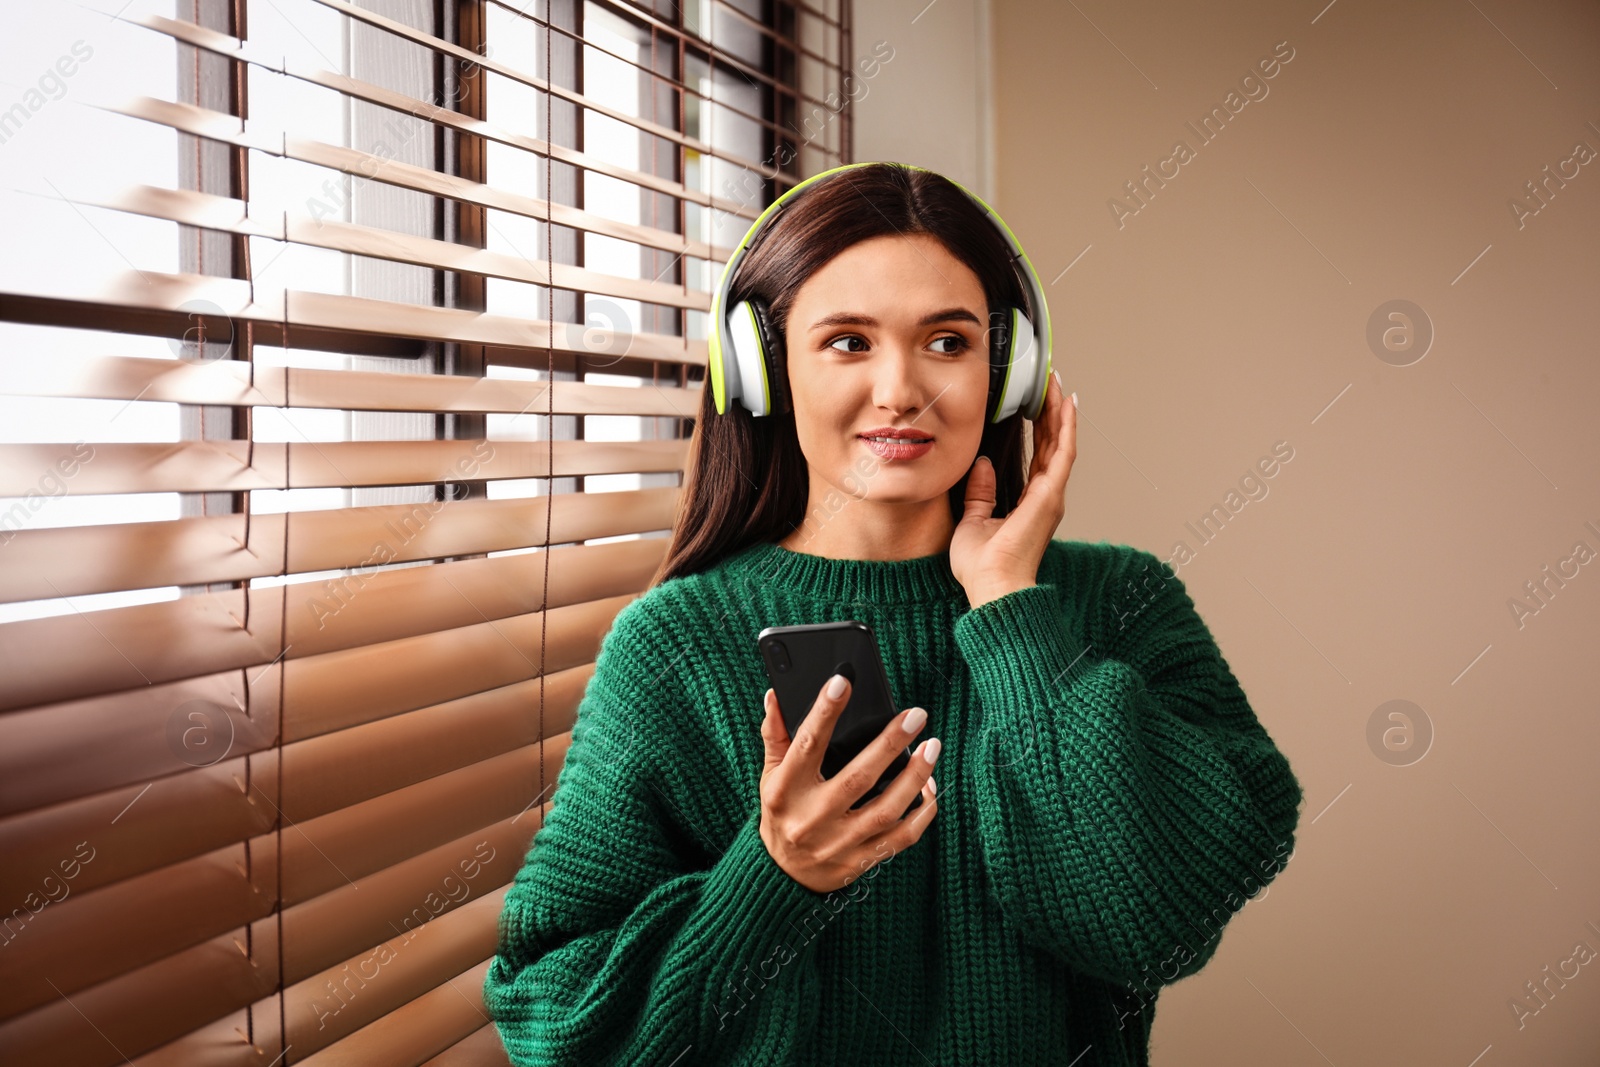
x,y
743,340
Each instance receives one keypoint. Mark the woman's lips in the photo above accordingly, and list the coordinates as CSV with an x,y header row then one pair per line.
x,y
905,448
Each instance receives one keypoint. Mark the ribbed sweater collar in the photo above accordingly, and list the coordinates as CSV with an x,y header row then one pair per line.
x,y
920,580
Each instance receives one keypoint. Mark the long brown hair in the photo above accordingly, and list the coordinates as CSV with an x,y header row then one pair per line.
x,y
747,477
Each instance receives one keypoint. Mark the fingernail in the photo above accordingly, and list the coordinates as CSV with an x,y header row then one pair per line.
x,y
930,751
836,686
914,720
933,786
1074,399
1057,376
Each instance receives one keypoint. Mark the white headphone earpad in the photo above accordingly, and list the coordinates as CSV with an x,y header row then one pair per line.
x,y
746,380
1020,380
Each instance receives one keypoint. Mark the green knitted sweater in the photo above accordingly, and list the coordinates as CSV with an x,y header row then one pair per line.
x,y
1107,801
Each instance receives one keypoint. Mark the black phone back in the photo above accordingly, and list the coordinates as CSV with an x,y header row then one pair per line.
x,y
800,660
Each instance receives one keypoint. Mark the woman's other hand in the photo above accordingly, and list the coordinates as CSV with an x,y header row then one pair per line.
x,y
807,822
991,557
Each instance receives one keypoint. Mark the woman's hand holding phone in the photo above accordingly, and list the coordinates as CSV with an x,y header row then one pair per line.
x,y
807,822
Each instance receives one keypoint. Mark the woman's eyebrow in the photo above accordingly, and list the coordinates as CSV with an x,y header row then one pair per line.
x,y
846,318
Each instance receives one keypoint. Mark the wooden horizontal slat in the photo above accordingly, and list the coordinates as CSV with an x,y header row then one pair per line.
x,y
332,771
64,657
372,847
694,43
142,827
391,604
236,383
507,70
322,854
354,162
335,1003
440,1020
88,937
57,761
338,690
481,1048
104,300
145,467
669,35
202,122
78,655
325,540
162,1002
243,466
227,215
220,381
75,749
230,129
311,320
224,45
399,899
146,1008
358,390
244,1037
448,255
103,745
192,208
768,31
184,819
350,314
174,298
79,560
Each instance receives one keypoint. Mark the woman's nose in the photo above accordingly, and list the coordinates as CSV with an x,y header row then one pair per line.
x,y
899,382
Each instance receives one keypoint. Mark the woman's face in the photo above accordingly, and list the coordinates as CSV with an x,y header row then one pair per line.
x,y
891,333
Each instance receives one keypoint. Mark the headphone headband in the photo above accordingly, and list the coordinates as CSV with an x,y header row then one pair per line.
x,y
722,345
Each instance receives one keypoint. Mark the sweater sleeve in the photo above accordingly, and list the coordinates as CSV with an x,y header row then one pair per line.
x,y
615,945
1129,800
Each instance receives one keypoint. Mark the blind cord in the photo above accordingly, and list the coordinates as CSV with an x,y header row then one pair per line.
x,y
550,378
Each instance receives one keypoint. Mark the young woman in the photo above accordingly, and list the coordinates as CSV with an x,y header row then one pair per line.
x,y
1106,797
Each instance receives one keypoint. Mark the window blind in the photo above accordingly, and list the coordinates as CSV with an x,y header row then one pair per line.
x,y
348,353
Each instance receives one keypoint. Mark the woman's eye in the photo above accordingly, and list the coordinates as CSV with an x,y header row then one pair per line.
x,y
960,344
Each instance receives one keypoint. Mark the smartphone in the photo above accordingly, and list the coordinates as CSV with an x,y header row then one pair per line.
x,y
799,662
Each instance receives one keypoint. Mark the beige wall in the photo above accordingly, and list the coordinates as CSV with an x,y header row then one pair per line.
x,y
1381,562
931,104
